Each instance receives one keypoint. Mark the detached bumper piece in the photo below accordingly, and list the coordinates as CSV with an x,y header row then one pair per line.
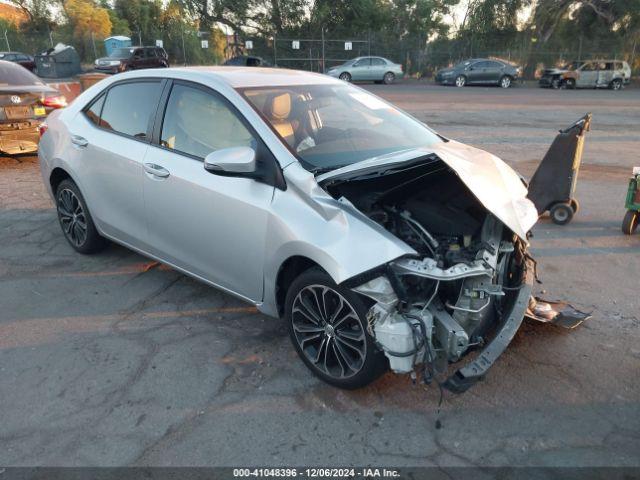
x,y
467,376
560,314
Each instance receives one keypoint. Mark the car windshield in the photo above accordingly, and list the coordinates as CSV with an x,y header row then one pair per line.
x,y
14,75
121,53
331,126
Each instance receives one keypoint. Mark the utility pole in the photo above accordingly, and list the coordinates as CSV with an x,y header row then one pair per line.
x,y
322,34
184,51
580,49
93,42
275,51
6,39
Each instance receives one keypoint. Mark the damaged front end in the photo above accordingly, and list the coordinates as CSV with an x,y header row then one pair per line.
x,y
468,285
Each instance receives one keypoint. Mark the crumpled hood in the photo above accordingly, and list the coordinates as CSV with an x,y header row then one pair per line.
x,y
496,185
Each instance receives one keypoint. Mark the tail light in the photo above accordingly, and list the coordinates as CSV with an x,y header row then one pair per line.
x,y
56,101
43,128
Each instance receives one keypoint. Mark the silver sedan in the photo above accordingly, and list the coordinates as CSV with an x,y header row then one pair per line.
x,y
381,243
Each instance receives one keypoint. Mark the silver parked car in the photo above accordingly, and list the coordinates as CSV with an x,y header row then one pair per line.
x,y
381,243
376,69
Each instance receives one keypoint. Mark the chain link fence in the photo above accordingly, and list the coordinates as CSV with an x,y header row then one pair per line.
x,y
187,46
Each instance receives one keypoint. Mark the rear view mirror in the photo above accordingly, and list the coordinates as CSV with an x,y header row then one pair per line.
x,y
233,160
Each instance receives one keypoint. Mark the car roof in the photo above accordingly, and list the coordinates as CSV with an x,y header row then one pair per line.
x,y
243,77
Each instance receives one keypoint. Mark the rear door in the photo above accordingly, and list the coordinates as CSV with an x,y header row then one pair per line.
x,y
493,72
210,225
605,73
110,140
378,68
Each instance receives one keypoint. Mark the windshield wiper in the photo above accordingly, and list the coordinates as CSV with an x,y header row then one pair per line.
x,y
320,170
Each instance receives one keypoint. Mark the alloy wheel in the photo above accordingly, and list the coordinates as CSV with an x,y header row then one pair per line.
x,y
461,81
329,331
505,82
72,217
388,78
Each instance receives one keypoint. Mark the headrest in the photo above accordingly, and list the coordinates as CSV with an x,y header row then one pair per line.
x,y
279,106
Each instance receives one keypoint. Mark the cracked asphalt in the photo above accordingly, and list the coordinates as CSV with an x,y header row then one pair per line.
x,y
115,360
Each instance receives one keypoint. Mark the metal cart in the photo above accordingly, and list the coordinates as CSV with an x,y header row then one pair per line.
x,y
632,204
553,184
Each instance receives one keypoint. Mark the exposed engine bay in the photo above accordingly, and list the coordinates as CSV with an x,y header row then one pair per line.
x,y
470,276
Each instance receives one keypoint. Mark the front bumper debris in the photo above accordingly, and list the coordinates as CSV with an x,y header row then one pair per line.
x,y
467,376
560,314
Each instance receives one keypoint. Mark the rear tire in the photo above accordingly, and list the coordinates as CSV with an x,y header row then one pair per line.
x,y
328,328
388,78
561,213
345,77
630,222
569,83
75,220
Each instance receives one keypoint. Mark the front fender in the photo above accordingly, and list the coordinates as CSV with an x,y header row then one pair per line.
x,y
305,221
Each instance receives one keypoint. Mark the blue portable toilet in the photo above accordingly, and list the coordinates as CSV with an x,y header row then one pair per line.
x,y
117,41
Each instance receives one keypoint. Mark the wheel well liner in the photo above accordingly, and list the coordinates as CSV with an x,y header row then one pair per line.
x,y
57,175
289,270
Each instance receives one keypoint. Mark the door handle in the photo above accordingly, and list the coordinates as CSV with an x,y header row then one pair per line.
x,y
156,170
79,141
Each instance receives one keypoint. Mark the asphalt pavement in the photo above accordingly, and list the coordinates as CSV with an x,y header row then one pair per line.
x,y
115,360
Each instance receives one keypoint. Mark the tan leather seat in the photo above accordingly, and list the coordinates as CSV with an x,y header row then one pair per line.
x,y
278,111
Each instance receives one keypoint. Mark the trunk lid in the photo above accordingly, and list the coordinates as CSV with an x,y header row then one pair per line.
x,y
19,103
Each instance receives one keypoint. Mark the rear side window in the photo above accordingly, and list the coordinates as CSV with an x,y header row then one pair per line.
x,y
128,108
378,62
93,112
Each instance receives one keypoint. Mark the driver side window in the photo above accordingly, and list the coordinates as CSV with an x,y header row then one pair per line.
x,y
198,123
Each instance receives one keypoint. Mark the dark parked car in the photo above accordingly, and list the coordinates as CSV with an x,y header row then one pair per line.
x,y
247,61
479,71
24,103
132,58
23,59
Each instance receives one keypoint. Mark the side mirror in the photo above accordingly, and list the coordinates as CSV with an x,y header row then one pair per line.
x,y
233,160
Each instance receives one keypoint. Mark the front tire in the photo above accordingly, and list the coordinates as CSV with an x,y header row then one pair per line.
x,y
569,83
505,81
75,220
630,222
388,78
461,81
328,328
345,77
616,84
